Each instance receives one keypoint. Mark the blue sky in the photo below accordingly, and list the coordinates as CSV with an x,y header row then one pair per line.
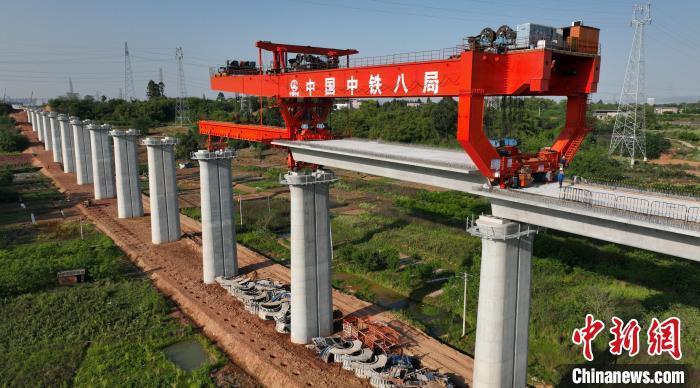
x,y
43,43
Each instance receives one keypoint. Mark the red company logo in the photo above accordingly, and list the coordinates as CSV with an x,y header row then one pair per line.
x,y
662,337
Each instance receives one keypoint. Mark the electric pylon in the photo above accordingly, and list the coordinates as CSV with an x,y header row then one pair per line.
x,y
128,75
630,123
182,114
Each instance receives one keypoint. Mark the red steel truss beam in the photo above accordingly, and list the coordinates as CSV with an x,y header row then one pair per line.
x,y
258,133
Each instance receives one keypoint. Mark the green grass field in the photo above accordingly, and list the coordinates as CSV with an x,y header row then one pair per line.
x,y
109,331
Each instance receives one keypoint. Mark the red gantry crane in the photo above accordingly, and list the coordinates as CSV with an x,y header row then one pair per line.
x,y
534,61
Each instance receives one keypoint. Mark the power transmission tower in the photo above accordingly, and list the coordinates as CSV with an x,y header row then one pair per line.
x,y
128,75
182,115
160,75
121,94
628,133
71,91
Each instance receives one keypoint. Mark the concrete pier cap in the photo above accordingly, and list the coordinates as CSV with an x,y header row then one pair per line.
x,y
83,150
503,312
162,185
67,143
311,254
55,137
129,203
159,141
102,161
219,256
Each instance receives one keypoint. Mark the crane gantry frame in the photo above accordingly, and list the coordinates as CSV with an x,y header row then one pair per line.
x,y
305,97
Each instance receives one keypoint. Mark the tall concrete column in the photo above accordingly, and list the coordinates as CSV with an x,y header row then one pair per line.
x,y
102,161
500,357
126,167
32,114
219,256
162,187
312,303
55,138
46,130
67,146
83,151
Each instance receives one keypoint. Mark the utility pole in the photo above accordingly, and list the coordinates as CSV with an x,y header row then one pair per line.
x,y
630,123
464,306
182,114
129,93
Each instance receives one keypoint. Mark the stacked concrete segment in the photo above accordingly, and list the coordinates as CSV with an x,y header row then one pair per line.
x,y
500,356
55,138
46,129
162,187
83,150
126,166
102,161
312,302
219,256
67,146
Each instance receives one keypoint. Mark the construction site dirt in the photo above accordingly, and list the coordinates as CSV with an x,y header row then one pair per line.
x,y
176,270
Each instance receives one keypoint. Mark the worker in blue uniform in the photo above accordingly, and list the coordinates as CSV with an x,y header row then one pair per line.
x,y
560,177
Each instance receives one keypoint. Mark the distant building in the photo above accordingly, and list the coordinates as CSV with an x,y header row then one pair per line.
x,y
354,104
659,110
602,114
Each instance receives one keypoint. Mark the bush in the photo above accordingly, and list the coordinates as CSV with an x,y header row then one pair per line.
x,y
656,145
444,204
5,176
688,136
11,140
369,258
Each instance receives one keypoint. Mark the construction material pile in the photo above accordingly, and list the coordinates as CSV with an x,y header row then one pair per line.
x,y
383,369
267,299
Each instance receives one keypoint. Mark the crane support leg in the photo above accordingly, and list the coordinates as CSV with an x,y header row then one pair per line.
x,y
470,133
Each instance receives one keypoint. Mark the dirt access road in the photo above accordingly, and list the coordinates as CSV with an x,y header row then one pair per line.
x,y
251,343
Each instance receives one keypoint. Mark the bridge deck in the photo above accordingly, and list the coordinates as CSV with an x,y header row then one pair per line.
x,y
447,159
646,220
552,190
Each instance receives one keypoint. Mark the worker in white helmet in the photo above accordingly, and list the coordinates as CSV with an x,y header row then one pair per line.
x,y
560,176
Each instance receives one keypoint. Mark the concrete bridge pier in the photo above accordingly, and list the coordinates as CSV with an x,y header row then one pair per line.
x,y
311,251
162,186
55,138
500,357
126,167
46,130
83,150
67,146
219,256
102,161
35,123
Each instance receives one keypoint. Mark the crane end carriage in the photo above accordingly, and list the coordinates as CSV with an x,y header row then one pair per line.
x,y
305,80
